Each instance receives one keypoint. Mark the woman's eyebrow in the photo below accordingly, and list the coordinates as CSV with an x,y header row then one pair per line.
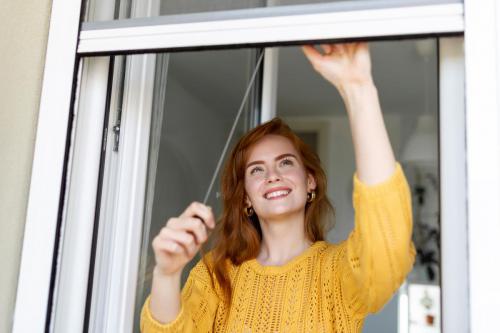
x,y
277,158
285,155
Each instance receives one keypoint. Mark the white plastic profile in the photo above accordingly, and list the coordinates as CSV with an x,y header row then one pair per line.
x,y
482,89
35,270
257,26
453,186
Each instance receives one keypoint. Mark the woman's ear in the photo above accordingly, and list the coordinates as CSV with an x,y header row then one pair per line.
x,y
248,203
311,182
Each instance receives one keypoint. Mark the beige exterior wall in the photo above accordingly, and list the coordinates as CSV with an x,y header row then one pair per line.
x,y
23,39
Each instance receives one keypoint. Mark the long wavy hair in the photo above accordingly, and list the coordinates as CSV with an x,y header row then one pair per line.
x,y
237,237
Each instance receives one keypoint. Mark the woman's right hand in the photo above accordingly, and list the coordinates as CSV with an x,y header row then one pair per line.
x,y
181,238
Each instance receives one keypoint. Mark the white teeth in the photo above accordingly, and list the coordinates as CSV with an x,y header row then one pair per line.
x,y
277,194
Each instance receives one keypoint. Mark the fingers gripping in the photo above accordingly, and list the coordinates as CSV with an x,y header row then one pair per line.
x,y
173,240
200,211
182,237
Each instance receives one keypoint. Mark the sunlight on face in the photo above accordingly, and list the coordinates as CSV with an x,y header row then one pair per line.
x,y
276,181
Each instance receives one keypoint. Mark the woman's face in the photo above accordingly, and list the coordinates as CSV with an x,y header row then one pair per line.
x,y
276,181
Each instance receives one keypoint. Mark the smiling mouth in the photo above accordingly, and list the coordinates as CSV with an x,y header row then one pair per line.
x,y
277,194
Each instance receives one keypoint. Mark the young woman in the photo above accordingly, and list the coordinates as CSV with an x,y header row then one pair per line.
x,y
271,269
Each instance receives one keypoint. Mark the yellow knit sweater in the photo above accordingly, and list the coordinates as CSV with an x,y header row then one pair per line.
x,y
327,288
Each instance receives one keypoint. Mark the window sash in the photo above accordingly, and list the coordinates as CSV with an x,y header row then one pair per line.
x,y
152,34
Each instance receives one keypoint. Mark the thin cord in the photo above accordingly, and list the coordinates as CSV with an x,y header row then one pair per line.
x,y
231,133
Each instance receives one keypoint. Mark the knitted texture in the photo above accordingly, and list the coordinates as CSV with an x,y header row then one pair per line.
x,y
327,288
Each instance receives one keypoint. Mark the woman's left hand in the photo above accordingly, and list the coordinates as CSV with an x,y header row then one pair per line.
x,y
344,65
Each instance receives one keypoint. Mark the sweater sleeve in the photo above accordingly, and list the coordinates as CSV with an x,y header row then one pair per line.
x,y
379,252
199,304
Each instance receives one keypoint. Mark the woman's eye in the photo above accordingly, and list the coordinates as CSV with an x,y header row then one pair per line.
x,y
255,170
286,161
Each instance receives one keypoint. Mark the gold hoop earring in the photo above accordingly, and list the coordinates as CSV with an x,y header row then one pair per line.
x,y
249,211
311,196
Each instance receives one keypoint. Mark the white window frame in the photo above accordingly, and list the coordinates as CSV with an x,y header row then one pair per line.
x,y
482,73
47,171
452,164
475,189
153,34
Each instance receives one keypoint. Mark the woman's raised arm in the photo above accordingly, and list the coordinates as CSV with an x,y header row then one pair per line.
x,y
377,256
348,68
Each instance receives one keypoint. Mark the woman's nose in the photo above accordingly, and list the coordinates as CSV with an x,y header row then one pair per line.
x,y
273,176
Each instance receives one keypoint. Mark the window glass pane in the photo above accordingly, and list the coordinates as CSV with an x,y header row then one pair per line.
x,y
121,9
197,96
406,76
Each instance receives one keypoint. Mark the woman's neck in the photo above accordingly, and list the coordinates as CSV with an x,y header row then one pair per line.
x,y
282,241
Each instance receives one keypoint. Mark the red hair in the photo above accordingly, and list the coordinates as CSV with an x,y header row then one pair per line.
x,y
238,237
